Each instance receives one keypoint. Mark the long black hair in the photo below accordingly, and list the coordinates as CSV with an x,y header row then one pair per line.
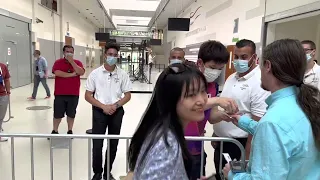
x,y
288,62
161,116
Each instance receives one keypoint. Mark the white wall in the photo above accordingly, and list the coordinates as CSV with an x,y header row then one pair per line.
x,y
276,6
220,25
81,30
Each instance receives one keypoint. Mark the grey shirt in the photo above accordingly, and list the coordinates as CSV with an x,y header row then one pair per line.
x,y
161,162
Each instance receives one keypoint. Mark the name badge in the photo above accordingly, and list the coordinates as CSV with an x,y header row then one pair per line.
x,y
116,80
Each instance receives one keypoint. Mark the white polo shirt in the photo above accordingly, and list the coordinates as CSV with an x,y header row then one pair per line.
x,y
108,87
250,97
313,76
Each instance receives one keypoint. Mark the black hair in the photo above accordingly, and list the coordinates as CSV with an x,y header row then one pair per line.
x,y
161,116
213,51
67,46
285,57
311,43
112,45
37,52
245,42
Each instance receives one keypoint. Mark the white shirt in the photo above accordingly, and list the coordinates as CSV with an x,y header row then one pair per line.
x,y
108,87
312,77
250,97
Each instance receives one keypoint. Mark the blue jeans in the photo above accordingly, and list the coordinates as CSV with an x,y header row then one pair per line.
x,y
36,83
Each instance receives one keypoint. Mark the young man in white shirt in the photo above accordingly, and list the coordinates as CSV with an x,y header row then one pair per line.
x,y
104,88
312,74
244,87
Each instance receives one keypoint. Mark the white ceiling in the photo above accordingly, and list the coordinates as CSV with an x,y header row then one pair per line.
x,y
172,9
92,10
131,12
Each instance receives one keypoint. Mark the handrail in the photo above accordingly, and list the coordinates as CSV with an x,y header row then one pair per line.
x,y
108,137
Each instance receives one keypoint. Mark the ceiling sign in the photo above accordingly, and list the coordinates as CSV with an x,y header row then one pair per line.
x,y
9,51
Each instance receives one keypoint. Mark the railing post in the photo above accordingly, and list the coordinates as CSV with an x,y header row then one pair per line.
x,y
12,160
127,164
32,158
202,159
89,158
70,159
108,159
51,159
150,68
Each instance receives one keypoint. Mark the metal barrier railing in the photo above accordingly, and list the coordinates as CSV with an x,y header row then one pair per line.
x,y
108,138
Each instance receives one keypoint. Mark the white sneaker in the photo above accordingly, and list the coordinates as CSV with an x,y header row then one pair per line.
x,y
3,139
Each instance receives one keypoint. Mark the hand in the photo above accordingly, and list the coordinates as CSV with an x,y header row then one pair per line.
x,y
69,57
114,107
107,109
46,76
228,104
74,74
226,170
235,119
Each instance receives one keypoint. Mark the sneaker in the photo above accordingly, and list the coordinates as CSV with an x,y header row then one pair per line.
x,y
97,176
31,98
47,97
110,177
53,132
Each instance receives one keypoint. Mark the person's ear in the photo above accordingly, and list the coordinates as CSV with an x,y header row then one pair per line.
x,y
267,65
199,62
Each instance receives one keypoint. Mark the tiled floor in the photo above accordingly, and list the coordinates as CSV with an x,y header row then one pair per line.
x,y
26,121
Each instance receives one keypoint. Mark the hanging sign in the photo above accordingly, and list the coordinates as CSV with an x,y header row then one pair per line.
x,y
9,52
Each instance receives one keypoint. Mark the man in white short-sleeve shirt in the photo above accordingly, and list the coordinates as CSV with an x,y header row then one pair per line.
x,y
312,75
104,89
244,87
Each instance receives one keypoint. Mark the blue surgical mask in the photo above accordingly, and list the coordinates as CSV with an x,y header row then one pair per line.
x,y
111,60
175,61
241,66
309,57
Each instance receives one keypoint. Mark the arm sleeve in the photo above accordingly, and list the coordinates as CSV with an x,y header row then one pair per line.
x,y
90,83
258,104
269,160
44,64
247,124
55,67
5,72
126,85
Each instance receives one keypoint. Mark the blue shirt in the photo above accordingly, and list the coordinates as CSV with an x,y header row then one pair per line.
x,y
40,66
283,145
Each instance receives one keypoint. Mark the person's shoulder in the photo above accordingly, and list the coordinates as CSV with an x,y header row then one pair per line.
x,y
61,60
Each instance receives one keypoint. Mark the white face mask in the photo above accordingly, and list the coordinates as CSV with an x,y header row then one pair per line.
x,y
211,74
175,61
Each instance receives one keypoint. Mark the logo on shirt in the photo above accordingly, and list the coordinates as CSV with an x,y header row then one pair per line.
x,y
244,86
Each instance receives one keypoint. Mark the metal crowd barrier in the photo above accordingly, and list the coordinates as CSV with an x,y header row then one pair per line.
x,y
108,138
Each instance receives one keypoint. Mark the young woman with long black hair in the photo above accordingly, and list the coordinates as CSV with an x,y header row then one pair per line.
x,y
158,148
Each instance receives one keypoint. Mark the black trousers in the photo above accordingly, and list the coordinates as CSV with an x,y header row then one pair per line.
x,y
101,122
196,166
229,148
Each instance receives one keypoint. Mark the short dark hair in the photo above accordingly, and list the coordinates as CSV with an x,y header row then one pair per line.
x,y
67,46
245,42
112,45
311,43
213,51
177,49
37,52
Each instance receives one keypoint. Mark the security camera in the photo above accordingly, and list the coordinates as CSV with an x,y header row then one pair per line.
x,y
38,20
